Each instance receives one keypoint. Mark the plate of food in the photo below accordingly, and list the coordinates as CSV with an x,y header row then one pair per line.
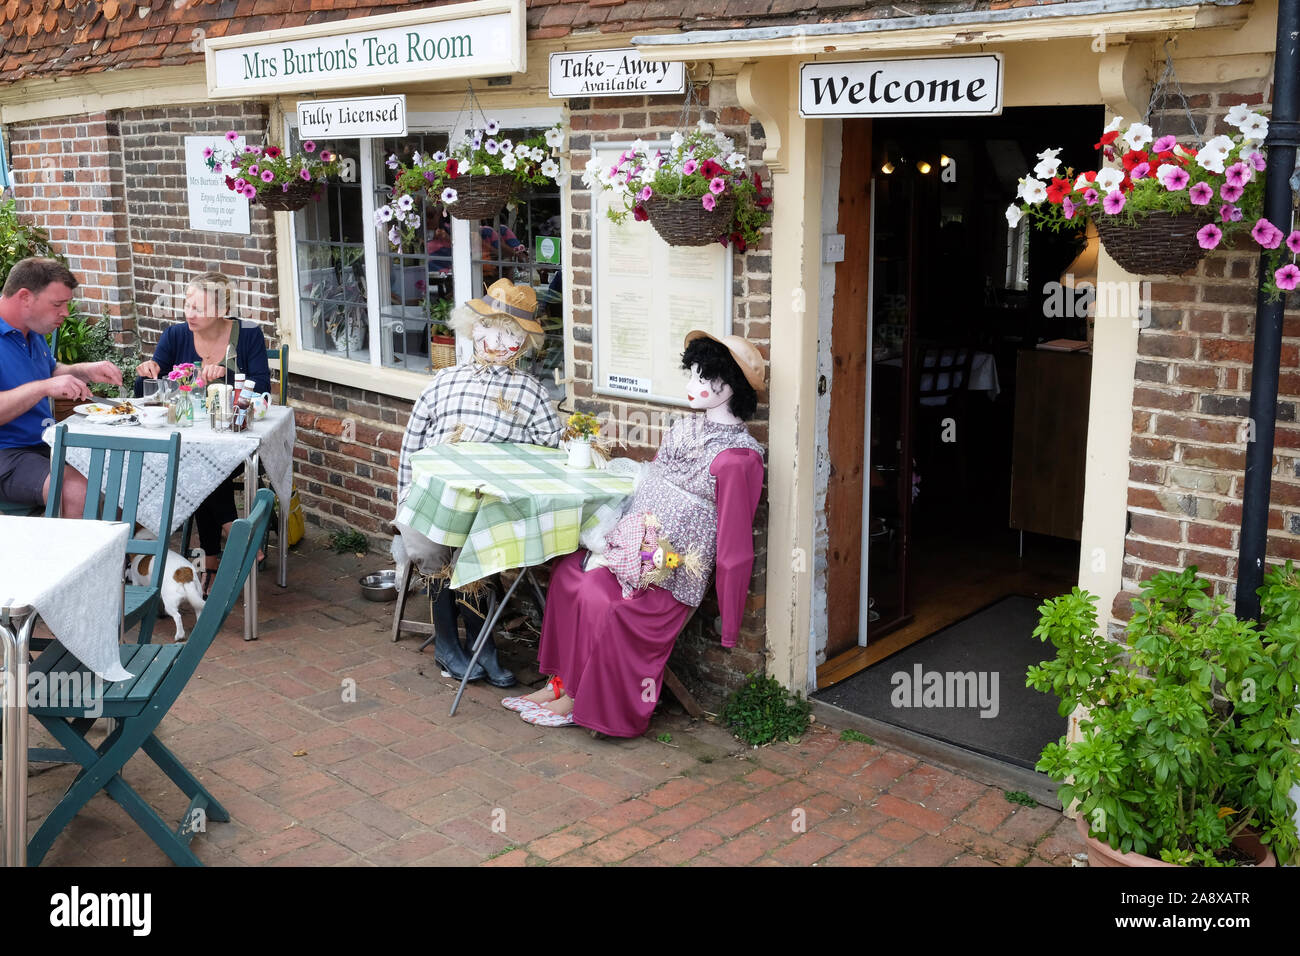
x,y
106,407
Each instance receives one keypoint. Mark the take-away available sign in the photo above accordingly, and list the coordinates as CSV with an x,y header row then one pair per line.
x,y
613,73
913,86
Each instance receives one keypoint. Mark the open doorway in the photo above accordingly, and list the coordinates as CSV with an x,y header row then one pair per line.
x,y
976,432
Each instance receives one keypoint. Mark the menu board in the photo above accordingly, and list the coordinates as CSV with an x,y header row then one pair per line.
x,y
646,296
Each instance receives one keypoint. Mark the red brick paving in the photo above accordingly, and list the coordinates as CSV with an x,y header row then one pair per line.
x,y
314,778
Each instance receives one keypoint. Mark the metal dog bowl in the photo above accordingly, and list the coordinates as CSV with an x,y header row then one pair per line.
x,y
380,586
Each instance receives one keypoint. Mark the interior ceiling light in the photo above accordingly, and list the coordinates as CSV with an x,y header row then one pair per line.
x,y
887,168
923,167
944,160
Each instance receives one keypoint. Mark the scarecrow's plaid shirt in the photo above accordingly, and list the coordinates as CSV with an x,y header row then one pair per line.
x,y
485,403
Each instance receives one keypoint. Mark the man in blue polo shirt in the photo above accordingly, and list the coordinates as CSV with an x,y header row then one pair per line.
x,y
33,303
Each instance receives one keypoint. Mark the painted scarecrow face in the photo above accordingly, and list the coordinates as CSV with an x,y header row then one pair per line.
x,y
703,394
497,343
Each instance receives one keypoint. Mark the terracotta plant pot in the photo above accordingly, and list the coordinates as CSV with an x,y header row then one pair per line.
x,y
1101,854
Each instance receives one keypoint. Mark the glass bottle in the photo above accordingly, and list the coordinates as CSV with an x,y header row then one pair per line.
x,y
184,407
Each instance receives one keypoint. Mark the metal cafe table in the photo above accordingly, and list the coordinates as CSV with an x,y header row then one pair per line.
x,y
207,458
504,506
55,568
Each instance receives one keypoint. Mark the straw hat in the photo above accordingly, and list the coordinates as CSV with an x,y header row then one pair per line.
x,y
742,350
503,297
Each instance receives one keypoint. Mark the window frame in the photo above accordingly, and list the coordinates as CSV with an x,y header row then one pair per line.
x,y
373,375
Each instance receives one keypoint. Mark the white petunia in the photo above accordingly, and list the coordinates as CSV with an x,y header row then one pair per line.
x,y
522,150
383,214
550,169
1164,172
1047,168
676,140
1255,128
1082,182
404,203
439,157
1211,159
1108,180
554,137
1220,144
647,175
1237,115
507,146
1014,215
736,161
492,128
391,162
1113,124
395,236
448,195
536,154
1033,191
508,163
415,159
492,147
1138,135
485,170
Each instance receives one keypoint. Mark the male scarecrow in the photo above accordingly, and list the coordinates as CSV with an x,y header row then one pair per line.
x,y
488,400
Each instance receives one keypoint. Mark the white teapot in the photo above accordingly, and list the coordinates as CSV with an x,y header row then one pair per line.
x,y
261,403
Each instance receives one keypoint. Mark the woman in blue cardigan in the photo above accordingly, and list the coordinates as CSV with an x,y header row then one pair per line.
x,y
219,346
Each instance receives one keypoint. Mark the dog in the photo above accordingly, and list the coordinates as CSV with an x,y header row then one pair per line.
x,y
180,583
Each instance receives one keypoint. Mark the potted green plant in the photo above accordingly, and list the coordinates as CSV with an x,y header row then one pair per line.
x,y
278,179
1159,205
696,193
1186,752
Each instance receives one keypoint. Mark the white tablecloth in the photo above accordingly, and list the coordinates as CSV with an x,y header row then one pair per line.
x,y
71,572
207,459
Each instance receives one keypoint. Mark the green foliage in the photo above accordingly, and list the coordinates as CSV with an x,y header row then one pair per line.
x,y
665,738
855,735
19,240
762,711
1020,797
349,541
1190,730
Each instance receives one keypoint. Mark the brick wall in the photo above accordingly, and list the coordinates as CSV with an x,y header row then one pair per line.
x,y
698,657
1191,403
68,181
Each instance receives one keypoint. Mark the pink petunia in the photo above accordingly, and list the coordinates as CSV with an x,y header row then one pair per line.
x,y
207,152
1164,144
1209,235
253,170
1176,180
689,167
1231,192
1113,202
645,194
240,184
231,136
309,147
267,176
250,191
1238,174
1090,197
1229,213
717,186
1068,207
304,174
1293,241
1258,162
326,156
708,202
1140,171
1266,234
1201,194
284,188
1288,277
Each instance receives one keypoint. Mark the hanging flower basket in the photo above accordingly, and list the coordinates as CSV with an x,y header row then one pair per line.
x,y
478,197
684,222
297,196
1158,243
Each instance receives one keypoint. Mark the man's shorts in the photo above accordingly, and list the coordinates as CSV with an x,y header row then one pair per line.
x,y
23,472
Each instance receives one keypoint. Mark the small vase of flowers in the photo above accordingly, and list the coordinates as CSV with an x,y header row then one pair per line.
x,y
581,429
473,179
697,192
279,180
1160,206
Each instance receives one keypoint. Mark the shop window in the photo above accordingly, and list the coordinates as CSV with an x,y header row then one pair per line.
x,y
342,252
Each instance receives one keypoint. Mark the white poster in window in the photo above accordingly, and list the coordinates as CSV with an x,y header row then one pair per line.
x,y
213,206
646,295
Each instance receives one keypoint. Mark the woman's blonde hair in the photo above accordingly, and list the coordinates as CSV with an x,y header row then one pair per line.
x,y
218,285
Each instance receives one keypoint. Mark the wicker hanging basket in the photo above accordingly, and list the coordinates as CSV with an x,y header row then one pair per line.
x,y
442,351
685,222
1158,243
296,197
479,197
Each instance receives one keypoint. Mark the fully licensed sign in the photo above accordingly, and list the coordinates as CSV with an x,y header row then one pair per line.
x,y
919,86
360,116
613,73
482,38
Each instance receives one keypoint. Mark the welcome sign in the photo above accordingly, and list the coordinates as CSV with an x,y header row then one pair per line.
x,y
463,40
916,86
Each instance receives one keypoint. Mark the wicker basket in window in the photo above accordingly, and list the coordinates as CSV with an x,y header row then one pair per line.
x,y
296,197
1157,243
479,197
685,222
442,351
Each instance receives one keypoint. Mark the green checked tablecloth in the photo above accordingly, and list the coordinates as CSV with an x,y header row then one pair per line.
x,y
504,505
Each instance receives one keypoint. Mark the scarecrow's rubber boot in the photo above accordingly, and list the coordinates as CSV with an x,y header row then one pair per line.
x,y
447,650
497,675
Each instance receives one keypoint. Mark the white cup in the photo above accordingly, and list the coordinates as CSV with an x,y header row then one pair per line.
x,y
153,416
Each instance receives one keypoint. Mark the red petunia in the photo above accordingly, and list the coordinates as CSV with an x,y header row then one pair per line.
x,y
738,241
1135,157
230,182
1126,185
1106,139
639,213
1058,190
709,169
272,151
758,183
453,168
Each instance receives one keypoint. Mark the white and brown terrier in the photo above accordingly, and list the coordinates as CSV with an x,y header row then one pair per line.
x,y
180,583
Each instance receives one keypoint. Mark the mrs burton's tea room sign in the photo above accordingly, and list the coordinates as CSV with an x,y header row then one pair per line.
x,y
921,86
482,38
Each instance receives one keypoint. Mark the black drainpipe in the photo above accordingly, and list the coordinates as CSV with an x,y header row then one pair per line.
x,y
1283,138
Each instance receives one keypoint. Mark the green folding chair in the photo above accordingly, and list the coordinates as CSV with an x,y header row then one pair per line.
x,y
137,706
121,459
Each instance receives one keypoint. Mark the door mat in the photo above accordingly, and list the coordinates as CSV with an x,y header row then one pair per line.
x,y
965,685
